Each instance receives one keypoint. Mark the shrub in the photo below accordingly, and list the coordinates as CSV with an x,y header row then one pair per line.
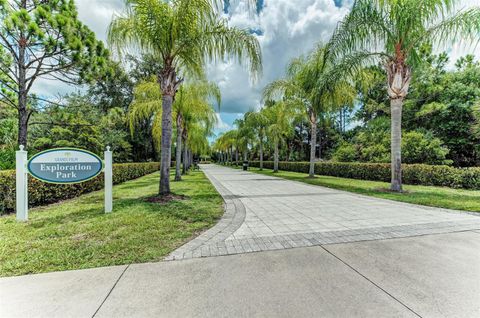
x,y
418,174
423,147
41,193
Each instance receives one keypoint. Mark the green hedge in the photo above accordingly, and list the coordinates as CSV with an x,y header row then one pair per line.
x,y
41,193
467,178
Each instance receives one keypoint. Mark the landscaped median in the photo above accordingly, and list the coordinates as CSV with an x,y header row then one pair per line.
x,y
442,197
417,174
77,234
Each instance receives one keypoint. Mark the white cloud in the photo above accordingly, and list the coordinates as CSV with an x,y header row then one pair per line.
x,y
289,28
221,125
460,48
96,15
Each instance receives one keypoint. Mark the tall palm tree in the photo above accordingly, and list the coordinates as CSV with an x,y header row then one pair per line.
x,y
310,87
279,127
244,137
393,31
224,144
192,108
184,35
257,123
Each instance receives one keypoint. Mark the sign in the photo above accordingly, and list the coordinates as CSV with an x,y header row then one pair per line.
x,y
65,165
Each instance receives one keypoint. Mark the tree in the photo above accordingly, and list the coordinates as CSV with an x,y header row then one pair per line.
x,y
224,144
279,127
257,123
244,137
184,35
394,31
194,113
310,87
44,39
192,107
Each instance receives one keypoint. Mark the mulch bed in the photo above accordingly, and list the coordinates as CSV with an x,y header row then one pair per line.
x,y
164,199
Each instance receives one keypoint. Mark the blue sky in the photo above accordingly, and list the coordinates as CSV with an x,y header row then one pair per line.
x,y
284,28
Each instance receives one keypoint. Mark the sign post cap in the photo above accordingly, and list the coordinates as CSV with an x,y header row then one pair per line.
x,y
22,147
108,148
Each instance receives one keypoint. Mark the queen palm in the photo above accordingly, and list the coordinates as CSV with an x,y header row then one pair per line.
x,y
310,87
184,35
192,109
394,31
257,123
279,127
224,145
191,106
244,137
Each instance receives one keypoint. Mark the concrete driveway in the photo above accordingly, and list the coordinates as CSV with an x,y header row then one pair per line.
x,y
354,257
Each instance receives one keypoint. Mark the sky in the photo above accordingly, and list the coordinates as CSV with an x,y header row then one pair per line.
x,y
284,28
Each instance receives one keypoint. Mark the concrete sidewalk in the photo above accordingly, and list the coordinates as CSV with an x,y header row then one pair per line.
x,y
429,276
319,253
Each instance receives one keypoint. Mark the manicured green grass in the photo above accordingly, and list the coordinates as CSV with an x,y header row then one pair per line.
x,y
77,234
442,197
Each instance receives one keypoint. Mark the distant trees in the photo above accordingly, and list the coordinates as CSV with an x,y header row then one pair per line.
x,y
441,119
279,127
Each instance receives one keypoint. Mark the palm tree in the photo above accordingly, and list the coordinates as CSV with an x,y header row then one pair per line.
x,y
224,145
310,87
244,137
279,127
257,123
394,31
192,108
184,35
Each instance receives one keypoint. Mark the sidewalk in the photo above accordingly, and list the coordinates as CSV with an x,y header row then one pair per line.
x,y
429,276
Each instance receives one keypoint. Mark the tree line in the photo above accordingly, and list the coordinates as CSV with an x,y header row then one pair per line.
x,y
176,40
378,64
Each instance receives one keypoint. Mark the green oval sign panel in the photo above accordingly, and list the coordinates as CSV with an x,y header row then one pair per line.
x,y
65,165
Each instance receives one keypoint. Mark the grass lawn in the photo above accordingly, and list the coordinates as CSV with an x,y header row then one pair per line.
x,y
458,199
77,234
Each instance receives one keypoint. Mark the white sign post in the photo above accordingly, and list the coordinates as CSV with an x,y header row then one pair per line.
x,y
60,166
108,174
21,184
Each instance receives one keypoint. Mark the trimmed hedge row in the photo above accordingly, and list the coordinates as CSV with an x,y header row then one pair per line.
x,y
419,174
41,193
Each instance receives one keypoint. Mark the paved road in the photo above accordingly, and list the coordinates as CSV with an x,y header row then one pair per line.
x,y
428,275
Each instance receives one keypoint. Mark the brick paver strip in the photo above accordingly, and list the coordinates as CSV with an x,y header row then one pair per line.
x,y
266,213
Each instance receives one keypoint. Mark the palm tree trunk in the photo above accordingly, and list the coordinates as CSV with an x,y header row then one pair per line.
x,y
185,160
236,156
313,143
261,154
166,148
275,162
398,78
245,156
178,155
396,143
